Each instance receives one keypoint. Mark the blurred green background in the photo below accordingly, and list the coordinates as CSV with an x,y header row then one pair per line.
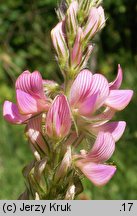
x,y
25,44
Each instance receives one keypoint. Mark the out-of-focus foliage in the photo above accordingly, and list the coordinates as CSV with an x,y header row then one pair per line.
x,y
25,44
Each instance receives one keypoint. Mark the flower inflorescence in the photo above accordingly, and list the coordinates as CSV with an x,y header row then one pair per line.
x,y
68,126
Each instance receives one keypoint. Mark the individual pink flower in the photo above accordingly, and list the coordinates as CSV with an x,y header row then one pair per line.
x,y
90,92
92,164
58,120
95,22
30,97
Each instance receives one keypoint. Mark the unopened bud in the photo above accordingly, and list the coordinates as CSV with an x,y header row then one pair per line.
x,y
35,152
95,22
59,43
50,87
76,53
37,196
58,120
84,9
65,164
27,169
35,135
86,56
70,193
71,22
39,168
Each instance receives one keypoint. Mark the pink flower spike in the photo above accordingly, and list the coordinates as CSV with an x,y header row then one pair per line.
x,y
115,128
102,149
99,174
119,99
58,121
12,115
117,82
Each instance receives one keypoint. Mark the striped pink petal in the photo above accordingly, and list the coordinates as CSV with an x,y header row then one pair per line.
x,y
100,85
34,132
12,115
99,174
119,99
88,89
28,104
115,128
102,149
31,83
58,121
92,23
117,82
88,106
80,88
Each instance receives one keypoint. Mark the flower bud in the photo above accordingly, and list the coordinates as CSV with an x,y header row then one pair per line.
x,y
95,22
39,168
86,56
83,10
76,53
65,164
59,43
70,193
35,135
58,121
37,196
50,87
71,22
